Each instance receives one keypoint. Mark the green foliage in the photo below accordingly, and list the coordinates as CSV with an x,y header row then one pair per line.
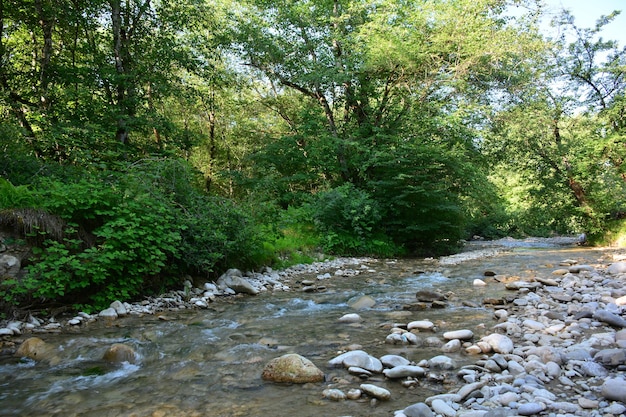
x,y
132,234
113,244
348,220
12,196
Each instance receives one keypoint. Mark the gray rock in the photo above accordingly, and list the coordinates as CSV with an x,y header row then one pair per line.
x,y
234,280
609,318
617,268
108,313
441,407
441,362
334,394
119,308
418,410
611,357
529,409
391,361
403,371
614,389
359,359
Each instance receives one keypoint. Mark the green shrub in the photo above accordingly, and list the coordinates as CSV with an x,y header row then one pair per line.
x,y
348,220
113,246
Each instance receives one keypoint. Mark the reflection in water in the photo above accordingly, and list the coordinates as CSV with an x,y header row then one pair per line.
x,y
209,362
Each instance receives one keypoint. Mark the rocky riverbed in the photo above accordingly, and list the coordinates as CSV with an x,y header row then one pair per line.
x,y
555,344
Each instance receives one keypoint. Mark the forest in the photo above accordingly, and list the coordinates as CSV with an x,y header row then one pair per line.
x,y
144,141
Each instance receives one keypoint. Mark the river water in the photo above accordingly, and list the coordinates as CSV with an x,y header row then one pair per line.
x,y
209,362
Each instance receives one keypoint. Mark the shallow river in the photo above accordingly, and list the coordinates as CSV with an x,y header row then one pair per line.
x,y
209,362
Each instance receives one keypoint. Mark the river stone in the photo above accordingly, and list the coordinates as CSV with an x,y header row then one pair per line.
x,y
119,352
334,394
292,368
617,268
391,361
479,283
37,349
458,334
609,318
518,285
421,325
108,313
403,371
350,318
375,391
355,370
418,410
119,308
499,343
453,345
530,409
441,407
363,360
235,281
429,296
533,325
361,303
611,357
441,362
614,389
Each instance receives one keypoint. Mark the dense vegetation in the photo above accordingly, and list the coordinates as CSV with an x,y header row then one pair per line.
x,y
146,140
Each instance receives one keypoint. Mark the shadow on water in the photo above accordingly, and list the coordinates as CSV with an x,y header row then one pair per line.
x,y
209,362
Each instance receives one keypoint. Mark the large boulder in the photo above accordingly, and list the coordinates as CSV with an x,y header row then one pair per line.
x,y
292,368
234,280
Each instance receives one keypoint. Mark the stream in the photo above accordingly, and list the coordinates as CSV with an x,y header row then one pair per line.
x,y
208,362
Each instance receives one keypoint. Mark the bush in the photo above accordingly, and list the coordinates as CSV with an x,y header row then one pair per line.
x,y
348,220
112,247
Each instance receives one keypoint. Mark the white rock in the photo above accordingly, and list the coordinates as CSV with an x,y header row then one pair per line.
x,y
350,318
421,325
391,361
119,308
375,391
458,334
403,371
441,362
6,332
499,343
479,283
451,346
441,407
334,394
108,313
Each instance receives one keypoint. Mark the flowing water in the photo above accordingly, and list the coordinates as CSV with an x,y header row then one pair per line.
x,y
209,362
